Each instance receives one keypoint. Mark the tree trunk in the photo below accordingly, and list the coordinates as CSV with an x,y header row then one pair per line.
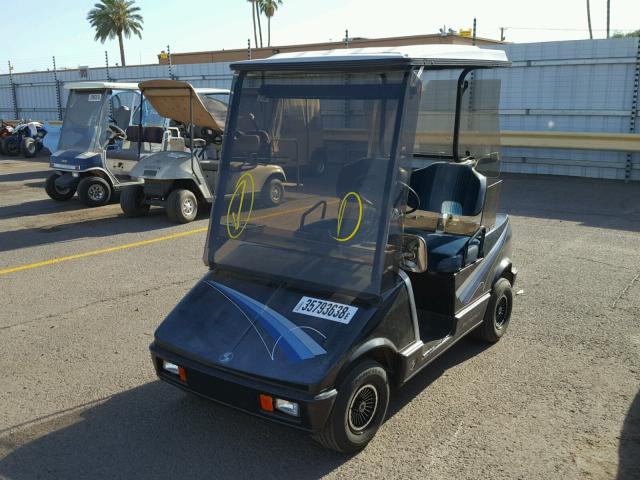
x,y
255,33
122,62
589,19
269,31
259,24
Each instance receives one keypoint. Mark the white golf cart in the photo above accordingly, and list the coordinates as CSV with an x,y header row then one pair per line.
x,y
106,130
184,176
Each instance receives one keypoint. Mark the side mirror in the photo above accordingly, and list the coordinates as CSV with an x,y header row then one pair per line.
x,y
414,254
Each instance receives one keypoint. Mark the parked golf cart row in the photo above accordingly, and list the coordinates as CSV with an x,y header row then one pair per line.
x,y
25,138
155,143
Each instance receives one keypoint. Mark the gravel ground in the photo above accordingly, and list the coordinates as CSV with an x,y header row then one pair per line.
x,y
556,398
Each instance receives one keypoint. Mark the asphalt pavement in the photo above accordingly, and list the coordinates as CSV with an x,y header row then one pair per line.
x,y
82,290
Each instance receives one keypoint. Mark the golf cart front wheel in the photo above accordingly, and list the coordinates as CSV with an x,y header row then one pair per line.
x,y
58,193
182,206
132,201
360,409
272,193
496,318
29,147
94,191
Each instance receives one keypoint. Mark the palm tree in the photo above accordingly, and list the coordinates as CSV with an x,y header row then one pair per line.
x,y
589,20
269,8
258,10
115,18
253,13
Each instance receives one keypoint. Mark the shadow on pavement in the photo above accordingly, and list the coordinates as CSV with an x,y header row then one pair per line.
x,y
629,453
21,176
590,202
96,228
157,431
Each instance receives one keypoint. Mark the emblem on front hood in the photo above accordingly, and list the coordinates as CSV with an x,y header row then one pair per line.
x,y
275,331
226,357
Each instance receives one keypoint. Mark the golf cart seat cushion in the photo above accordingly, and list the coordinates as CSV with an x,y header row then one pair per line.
x,y
445,252
449,188
153,134
134,133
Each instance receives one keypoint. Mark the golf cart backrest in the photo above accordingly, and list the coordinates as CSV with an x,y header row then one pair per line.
x,y
449,188
122,116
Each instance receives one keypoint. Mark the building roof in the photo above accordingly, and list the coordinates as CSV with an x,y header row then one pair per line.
x,y
427,55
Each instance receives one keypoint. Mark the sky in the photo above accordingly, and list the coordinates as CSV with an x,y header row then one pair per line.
x,y
60,28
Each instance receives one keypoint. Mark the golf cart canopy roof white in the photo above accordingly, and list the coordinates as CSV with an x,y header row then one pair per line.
x,y
100,86
437,56
180,101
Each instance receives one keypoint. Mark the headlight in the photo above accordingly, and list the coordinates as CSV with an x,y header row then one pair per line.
x,y
285,406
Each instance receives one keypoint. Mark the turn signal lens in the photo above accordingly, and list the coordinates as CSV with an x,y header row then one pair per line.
x,y
266,403
182,374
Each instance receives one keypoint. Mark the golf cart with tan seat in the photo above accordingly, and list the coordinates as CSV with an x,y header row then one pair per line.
x,y
183,178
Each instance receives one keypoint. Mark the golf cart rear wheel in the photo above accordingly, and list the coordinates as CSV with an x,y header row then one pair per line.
x,y
55,192
29,147
11,146
496,318
272,192
182,206
359,410
94,191
1,145
132,201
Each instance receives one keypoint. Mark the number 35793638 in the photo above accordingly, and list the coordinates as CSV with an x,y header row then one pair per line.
x,y
315,307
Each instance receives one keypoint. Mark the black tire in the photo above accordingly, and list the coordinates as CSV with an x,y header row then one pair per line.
x,y
94,191
29,147
59,194
11,146
496,318
132,201
318,164
351,425
182,206
272,192
2,145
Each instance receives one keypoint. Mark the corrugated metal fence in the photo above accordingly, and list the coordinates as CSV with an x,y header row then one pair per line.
x,y
576,86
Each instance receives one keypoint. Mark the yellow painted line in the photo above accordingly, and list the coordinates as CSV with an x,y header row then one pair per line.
x,y
101,251
126,246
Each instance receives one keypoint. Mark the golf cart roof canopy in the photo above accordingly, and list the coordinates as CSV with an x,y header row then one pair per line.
x,y
436,56
180,101
100,86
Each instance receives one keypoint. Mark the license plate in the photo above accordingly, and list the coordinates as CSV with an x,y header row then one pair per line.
x,y
315,307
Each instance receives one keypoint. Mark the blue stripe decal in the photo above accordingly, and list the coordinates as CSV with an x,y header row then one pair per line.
x,y
293,341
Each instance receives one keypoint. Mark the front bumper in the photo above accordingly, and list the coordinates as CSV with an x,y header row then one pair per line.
x,y
242,392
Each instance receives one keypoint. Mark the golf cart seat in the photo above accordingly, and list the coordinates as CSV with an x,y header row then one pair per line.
x,y
449,189
135,136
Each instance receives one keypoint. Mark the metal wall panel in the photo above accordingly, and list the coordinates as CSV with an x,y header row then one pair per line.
x,y
584,85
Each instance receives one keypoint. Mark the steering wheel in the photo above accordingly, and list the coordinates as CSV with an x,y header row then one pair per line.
x,y
411,191
116,132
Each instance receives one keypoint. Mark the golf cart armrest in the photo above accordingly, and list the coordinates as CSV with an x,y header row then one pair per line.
x,y
479,236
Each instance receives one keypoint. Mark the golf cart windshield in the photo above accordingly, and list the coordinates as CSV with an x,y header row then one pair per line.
x,y
83,120
335,132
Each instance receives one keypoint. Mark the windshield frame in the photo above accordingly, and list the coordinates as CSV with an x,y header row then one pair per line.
x,y
390,179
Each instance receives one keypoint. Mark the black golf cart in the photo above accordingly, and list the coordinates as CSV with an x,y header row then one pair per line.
x,y
314,310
